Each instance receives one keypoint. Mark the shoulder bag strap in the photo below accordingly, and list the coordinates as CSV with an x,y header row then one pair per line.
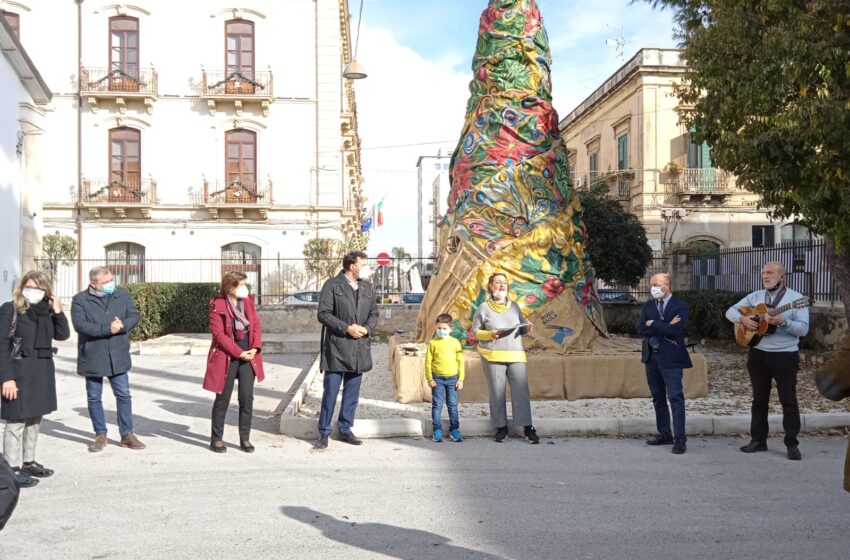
x,y
14,326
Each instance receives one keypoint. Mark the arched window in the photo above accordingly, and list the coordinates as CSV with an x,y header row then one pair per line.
x,y
243,257
124,53
239,48
14,21
241,170
125,164
126,261
794,232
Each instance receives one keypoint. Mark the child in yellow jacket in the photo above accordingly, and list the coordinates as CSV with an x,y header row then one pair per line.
x,y
444,372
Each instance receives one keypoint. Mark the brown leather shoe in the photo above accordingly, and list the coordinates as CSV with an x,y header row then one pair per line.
x,y
99,443
131,441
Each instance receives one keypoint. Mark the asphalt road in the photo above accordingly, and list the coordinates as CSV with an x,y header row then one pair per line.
x,y
409,499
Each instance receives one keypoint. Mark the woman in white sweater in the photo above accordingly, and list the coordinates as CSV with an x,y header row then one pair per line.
x,y
499,326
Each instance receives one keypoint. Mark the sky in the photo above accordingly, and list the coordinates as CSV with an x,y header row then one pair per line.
x,y
418,56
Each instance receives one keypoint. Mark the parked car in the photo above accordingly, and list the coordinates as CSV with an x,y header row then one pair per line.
x,y
412,298
302,298
614,295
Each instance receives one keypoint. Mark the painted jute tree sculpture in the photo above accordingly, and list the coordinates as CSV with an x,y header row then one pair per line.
x,y
511,206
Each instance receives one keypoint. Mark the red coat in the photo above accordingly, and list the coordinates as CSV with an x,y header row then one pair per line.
x,y
224,348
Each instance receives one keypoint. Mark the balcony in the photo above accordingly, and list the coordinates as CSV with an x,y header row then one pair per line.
x,y
98,84
238,89
119,198
236,197
709,185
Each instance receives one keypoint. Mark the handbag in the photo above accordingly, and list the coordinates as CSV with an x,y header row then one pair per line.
x,y
15,342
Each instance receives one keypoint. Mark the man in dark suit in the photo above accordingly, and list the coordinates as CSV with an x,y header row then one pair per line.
x,y
348,313
662,325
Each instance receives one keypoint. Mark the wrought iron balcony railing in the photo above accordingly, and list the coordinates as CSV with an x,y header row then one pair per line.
x,y
116,81
103,192
709,180
217,83
235,193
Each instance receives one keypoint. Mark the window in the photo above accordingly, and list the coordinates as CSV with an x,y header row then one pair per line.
x,y
571,170
243,257
593,166
124,53
623,152
794,232
14,21
239,48
241,171
125,164
126,261
699,155
762,236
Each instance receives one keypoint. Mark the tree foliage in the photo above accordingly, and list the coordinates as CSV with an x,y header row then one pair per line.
x,y
57,249
617,245
323,256
769,82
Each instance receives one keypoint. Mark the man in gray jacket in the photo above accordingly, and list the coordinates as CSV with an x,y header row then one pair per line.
x,y
102,315
348,313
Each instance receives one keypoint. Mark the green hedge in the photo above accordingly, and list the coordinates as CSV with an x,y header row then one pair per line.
x,y
167,308
706,314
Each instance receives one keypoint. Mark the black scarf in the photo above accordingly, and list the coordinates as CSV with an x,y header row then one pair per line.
x,y
40,313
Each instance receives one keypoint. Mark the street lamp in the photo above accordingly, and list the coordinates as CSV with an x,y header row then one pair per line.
x,y
354,70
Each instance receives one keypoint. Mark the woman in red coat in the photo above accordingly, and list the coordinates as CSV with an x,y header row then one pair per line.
x,y
234,354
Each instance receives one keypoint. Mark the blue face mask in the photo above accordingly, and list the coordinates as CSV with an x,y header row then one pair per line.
x,y
442,333
109,288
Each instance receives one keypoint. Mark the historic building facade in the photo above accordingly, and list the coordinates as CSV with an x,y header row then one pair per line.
x,y
627,136
196,130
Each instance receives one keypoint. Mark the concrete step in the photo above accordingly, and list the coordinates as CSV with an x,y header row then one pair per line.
x,y
199,344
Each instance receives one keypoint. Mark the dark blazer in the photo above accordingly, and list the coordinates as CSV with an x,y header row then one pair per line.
x,y
99,352
224,349
35,376
674,353
339,307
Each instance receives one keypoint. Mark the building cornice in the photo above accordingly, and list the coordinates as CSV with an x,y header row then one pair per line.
x,y
23,65
645,61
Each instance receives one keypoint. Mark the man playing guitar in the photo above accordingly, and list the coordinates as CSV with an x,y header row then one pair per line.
x,y
776,356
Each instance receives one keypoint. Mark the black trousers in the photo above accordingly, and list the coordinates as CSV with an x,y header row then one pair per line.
x,y
780,367
245,373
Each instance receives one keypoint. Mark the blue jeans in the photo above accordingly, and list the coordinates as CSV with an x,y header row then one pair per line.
x,y
350,396
121,389
666,383
445,390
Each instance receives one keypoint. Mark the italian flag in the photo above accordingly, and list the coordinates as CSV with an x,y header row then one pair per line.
x,y
380,207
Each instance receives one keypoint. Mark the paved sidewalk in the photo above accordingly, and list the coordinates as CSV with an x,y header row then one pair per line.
x,y
405,498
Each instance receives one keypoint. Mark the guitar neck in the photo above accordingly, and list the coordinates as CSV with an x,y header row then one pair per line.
x,y
783,309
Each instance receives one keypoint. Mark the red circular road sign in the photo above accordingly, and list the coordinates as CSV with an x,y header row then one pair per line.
x,y
383,259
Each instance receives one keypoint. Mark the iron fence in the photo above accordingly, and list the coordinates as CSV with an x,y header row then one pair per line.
x,y
807,269
274,281
659,263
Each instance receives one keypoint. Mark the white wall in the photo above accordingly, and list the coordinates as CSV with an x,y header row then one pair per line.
x,y
298,142
10,178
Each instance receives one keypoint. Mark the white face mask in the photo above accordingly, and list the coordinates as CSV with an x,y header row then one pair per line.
x,y
656,292
242,292
365,272
500,295
33,295
442,333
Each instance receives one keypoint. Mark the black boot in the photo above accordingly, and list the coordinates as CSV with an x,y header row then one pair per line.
x,y
24,480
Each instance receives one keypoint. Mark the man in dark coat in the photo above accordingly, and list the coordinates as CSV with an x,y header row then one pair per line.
x,y
102,316
348,313
662,324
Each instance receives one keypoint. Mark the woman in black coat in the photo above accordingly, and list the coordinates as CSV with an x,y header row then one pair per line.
x,y
28,380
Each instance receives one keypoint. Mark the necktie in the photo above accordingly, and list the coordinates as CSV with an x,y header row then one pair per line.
x,y
655,341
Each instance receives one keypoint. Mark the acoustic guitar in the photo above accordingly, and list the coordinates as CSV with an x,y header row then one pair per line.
x,y
759,313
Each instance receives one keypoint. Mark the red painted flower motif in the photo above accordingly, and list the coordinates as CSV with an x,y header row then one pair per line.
x,y
470,337
507,147
553,286
531,299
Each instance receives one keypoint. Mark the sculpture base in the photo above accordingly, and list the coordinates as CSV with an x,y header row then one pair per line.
x,y
550,376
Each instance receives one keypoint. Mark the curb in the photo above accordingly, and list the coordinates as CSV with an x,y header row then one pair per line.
x,y
306,428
